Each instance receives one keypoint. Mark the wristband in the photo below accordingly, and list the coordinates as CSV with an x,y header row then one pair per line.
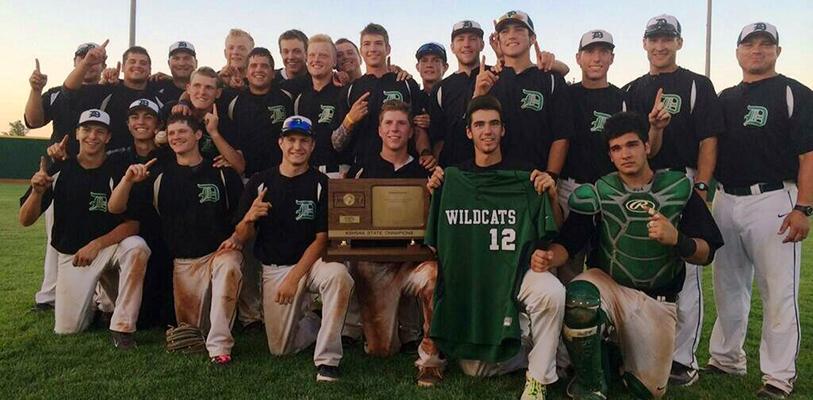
x,y
349,120
686,246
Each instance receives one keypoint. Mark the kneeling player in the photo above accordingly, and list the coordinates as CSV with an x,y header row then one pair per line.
x,y
195,202
286,207
649,224
93,245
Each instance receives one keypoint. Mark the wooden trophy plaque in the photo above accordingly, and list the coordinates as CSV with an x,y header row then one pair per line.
x,y
363,214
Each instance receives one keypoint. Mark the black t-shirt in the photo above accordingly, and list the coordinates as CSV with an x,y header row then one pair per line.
x,y
80,199
258,120
447,112
235,127
196,205
58,110
695,109
365,142
298,212
165,90
114,100
536,111
695,222
320,108
506,164
382,169
587,158
768,124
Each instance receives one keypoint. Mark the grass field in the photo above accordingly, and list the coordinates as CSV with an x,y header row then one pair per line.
x,y
36,363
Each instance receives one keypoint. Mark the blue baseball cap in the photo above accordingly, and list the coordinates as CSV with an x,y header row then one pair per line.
x,y
297,124
431,48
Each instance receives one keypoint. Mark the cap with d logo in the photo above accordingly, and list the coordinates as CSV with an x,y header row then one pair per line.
x,y
662,25
182,46
596,36
517,17
467,26
756,28
144,104
94,116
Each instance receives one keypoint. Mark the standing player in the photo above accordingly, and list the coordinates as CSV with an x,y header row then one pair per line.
x,y
182,63
94,246
380,285
541,296
286,208
40,109
293,47
196,203
649,225
357,137
349,59
238,44
538,114
431,65
766,171
689,144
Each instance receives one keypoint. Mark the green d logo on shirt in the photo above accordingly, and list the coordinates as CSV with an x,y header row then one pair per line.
x,y
532,100
671,103
277,114
392,95
757,116
305,210
326,116
98,202
209,193
598,123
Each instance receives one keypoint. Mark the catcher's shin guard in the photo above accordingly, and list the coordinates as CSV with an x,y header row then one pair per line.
x,y
582,337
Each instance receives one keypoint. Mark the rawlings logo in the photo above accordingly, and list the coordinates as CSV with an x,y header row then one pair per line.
x,y
639,205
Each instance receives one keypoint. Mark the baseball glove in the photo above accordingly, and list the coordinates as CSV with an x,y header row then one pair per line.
x,y
185,339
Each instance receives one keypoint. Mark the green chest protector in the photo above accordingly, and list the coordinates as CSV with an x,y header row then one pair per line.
x,y
625,250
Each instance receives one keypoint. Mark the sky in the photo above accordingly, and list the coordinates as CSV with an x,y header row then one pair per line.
x,y
51,30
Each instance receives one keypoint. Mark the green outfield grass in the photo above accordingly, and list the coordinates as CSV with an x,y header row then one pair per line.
x,y
36,363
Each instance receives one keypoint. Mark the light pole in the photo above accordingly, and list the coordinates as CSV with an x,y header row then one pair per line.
x,y
133,23
708,39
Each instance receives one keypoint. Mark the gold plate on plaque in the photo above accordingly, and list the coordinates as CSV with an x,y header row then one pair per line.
x,y
398,206
349,219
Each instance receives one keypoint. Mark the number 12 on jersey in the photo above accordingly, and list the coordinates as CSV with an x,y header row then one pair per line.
x,y
509,235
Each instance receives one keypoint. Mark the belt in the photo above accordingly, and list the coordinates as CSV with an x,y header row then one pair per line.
x,y
671,298
755,189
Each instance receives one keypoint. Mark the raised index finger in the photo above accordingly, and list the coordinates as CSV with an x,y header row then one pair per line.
x,y
64,141
483,64
261,194
104,45
363,97
658,97
149,164
43,164
37,64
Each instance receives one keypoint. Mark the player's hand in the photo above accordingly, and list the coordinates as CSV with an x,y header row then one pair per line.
x,y
428,161
110,76
231,243
87,254
659,118
259,207
494,41
436,180
541,260
38,80
160,138
181,109
400,73
59,151
542,181
661,229
544,59
230,75
341,78
41,181
139,172
160,76
422,121
485,80
96,55
359,109
212,121
221,162
286,291
797,225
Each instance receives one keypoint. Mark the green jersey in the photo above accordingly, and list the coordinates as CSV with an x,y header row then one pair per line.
x,y
485,226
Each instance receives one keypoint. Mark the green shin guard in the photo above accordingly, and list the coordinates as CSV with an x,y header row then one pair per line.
x,y
636,388
582,337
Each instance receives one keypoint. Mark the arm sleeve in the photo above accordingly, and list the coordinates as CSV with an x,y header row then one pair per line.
x,y
48,99
707,115
801,121
562,116
437,119
697,222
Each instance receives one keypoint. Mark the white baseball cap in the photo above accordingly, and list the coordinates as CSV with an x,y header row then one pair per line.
x,y
94,115
662,25
144,104
515,16
758,28
596,36
182,46
467,26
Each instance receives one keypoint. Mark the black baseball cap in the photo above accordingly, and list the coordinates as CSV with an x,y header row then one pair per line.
x,y
662,25
431,48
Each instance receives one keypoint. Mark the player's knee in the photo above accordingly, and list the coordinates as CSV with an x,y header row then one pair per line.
x,y
339,276
135,244
582,303
638,389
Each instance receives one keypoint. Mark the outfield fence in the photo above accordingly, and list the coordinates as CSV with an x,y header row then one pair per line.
x,y
20,156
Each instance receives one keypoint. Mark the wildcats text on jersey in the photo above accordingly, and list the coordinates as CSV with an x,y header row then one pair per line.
x,y
481,217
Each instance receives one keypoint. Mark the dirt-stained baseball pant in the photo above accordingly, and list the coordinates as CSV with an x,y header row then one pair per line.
x,y
753,248
76,286
542,297
689,312
47,292
379,287
212,283
642,327
291,328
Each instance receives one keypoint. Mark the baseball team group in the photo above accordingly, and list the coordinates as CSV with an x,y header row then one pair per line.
x,y
570,223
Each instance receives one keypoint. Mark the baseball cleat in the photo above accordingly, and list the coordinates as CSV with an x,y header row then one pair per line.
x,y
40,307
715,370
682,375
429,376
768,391
221,360
327,373
123,340
534,390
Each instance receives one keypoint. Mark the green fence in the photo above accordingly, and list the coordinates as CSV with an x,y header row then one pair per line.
x,y
20,156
